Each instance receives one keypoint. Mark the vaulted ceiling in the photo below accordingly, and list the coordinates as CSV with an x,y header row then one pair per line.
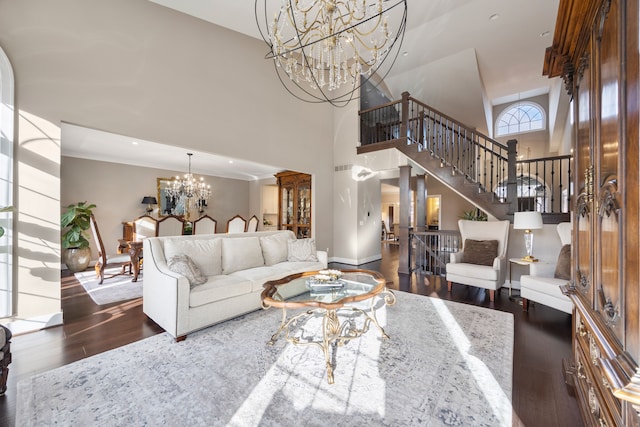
x,y
462,57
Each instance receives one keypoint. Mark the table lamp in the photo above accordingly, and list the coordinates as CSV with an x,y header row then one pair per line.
x,y
528,221
149,200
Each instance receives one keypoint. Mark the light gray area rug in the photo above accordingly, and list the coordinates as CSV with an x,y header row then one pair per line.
x,y
445,364
114,289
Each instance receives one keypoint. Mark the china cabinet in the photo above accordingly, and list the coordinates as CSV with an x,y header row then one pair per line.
x,y
294,202
595,50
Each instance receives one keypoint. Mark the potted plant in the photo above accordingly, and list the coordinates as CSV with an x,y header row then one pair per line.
x,y
4,209
474,214
76,220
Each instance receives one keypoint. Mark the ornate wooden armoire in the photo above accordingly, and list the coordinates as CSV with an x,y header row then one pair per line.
x,y
595,50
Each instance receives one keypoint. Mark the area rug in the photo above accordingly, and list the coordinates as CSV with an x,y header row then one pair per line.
x,y
114,289
445,364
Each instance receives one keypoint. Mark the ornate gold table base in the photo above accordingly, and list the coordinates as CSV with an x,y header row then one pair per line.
x,y
334,333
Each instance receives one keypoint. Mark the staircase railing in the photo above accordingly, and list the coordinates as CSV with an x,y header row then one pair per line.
x,y
487,163
431,250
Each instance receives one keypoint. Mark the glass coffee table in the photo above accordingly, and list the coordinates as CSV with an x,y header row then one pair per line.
x,y
325,294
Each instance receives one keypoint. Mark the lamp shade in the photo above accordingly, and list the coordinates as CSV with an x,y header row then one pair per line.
x,y
527,220
149,200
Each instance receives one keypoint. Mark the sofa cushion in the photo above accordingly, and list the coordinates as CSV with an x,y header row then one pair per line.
x,y
563,266
205,253
241,253
258,276
473,270
292,267
218,288
183,265
274,248
480,252
302,250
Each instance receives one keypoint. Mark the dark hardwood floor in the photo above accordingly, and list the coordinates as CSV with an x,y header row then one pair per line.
x,y
542,339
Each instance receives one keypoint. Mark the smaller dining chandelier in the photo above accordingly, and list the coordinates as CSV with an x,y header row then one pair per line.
x,y
188,187
324,50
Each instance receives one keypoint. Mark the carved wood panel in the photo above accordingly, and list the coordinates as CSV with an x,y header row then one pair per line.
x,y
597,46
583,243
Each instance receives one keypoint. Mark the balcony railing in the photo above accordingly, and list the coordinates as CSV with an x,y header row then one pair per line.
x,y
537,184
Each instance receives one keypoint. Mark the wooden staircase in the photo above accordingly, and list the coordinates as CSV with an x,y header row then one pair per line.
x,y
480,169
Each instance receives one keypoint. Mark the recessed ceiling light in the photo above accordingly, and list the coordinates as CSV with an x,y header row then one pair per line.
x,y
405,53
230,161
544,33
134,143
494,17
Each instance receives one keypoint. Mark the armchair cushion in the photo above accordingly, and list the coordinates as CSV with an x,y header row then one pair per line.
x,y
563,266
481,252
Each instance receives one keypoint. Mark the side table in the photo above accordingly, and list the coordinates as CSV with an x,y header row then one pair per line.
x,y
518,261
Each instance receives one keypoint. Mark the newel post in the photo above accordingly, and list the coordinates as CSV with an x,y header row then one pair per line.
x,y
404,123
512,179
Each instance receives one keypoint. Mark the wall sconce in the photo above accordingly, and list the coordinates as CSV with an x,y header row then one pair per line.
x,y
149,200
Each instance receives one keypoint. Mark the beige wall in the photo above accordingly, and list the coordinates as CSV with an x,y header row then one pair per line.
x,y
135,68
117,192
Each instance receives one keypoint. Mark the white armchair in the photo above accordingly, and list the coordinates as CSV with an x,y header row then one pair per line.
x,y
484,269
541,286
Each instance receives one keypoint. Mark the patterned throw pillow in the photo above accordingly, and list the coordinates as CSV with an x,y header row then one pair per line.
x,y
481,252
563,267
302,250
183,265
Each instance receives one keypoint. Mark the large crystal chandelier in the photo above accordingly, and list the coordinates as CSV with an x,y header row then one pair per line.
x,y
324,50
189,188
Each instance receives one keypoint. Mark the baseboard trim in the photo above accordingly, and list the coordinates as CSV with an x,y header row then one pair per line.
x,y
23,326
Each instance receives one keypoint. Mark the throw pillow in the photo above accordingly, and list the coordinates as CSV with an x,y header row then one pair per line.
x,y
302,250
481,252
241,253
205,252
274,248
563,267
185,266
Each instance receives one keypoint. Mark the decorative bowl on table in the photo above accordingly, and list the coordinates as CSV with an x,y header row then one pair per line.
x,y
325,279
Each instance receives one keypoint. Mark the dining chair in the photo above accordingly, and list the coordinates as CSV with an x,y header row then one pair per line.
x,y
252,224
103,258
170,225
237,224
204,225
144,226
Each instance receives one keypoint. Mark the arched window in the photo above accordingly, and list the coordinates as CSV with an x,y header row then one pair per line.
x,y
7,113
520,118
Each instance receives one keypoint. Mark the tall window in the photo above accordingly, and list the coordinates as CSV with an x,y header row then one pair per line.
x,y
6,184
520,118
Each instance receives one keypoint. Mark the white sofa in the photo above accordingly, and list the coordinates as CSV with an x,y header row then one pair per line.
x,y
236,267
541,286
